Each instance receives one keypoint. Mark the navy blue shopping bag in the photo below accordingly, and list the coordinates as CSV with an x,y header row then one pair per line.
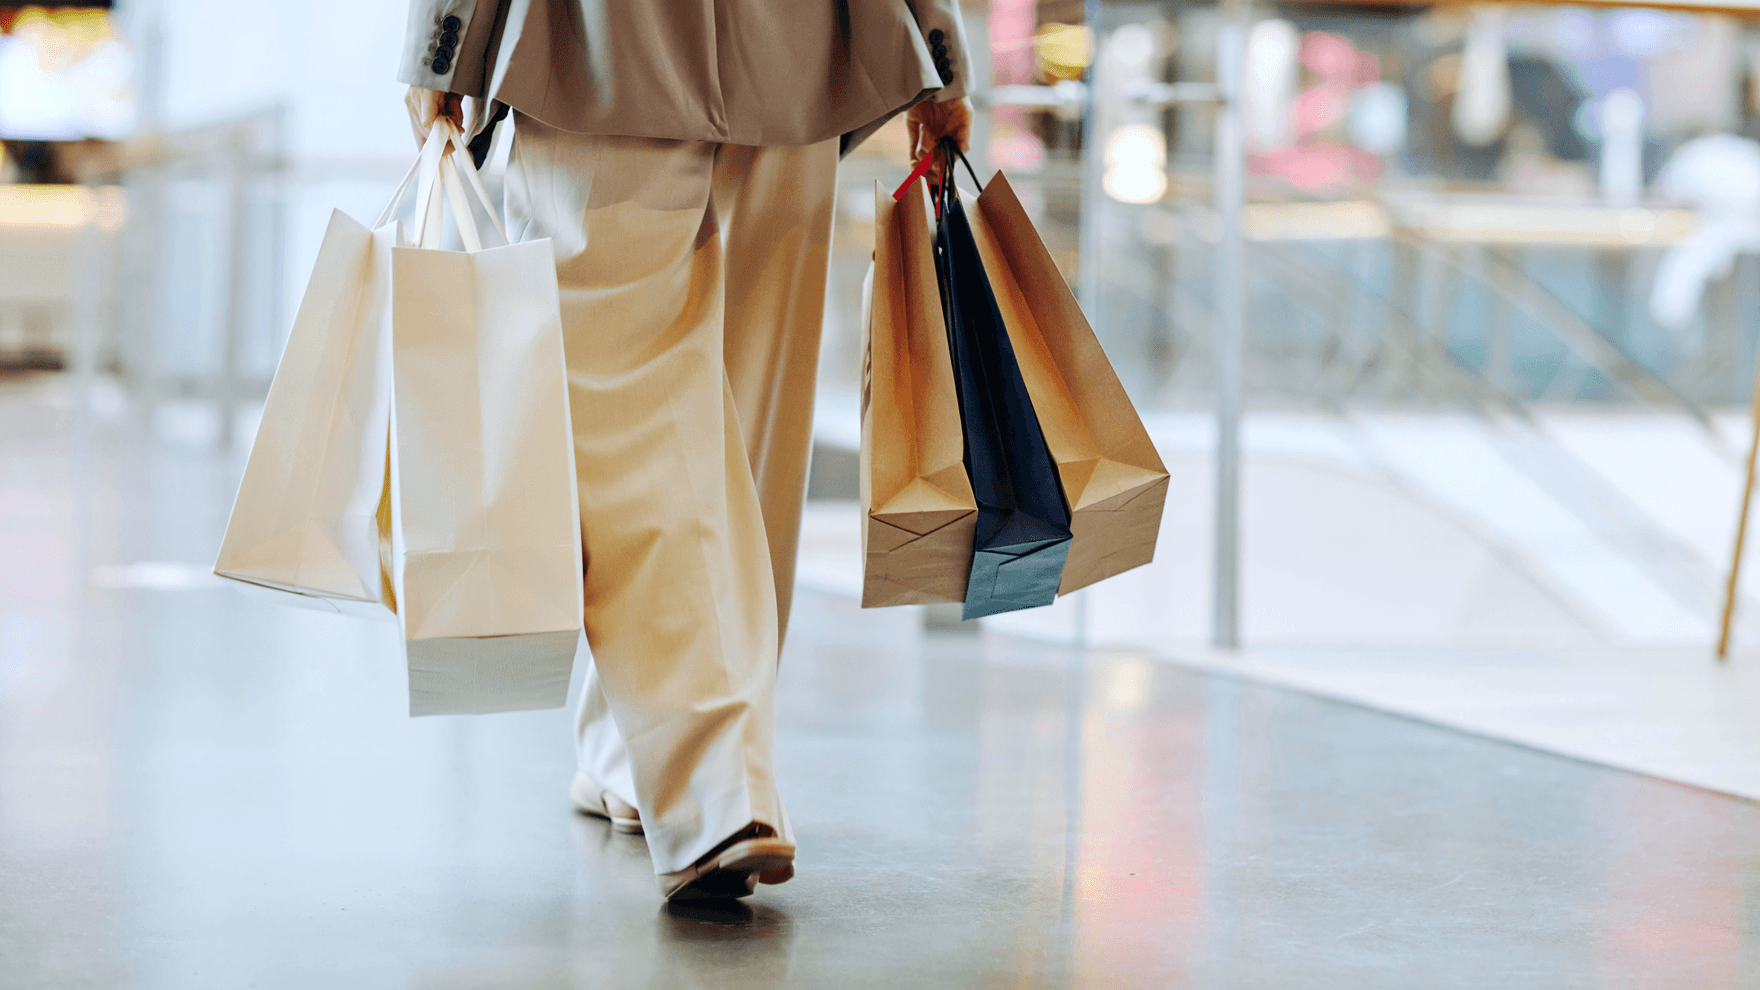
x,y
1023,534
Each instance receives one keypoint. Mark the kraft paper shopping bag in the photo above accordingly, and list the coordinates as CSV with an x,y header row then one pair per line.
x,y
1023,534
917,506
1112,475
490,570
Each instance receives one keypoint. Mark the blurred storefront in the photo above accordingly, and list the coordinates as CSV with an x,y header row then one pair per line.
x,y
66,96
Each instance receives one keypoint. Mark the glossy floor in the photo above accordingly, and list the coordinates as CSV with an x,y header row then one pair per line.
x,y
197,791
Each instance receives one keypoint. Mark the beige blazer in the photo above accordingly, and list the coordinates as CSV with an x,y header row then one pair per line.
x,y
751,72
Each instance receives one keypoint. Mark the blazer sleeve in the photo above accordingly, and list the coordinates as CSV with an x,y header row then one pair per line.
x,y
446,45
945,31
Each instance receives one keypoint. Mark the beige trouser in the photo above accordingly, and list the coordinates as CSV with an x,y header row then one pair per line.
x,y
693,287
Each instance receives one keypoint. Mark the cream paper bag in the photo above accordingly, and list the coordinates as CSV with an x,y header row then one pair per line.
x,y
490,566
311,524
1113,479
918,514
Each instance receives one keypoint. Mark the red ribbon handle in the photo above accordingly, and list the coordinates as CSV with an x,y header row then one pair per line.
x,y
921,170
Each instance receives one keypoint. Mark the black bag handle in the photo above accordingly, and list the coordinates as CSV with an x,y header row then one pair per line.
x,y
949,150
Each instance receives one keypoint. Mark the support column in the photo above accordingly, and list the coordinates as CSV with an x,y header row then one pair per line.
x,y
1230,185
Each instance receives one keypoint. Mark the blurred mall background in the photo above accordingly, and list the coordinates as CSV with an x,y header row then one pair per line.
x,y
1500,289
1498,312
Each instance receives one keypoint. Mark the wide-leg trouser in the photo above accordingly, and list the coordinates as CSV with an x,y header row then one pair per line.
x,y
693,285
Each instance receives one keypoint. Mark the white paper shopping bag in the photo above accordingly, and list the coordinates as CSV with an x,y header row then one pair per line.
x,y
311,525
490,570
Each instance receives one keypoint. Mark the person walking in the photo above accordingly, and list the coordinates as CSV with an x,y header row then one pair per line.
x,y
682,156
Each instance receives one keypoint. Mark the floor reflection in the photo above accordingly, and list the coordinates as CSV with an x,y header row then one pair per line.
x,y
701,939
198,791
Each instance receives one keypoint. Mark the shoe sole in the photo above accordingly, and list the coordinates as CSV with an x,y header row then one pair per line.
x,y
735,873
628,826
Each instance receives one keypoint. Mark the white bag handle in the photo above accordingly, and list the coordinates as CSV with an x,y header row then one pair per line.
x,y
461,156
429,187
461,207
424,166
443,156
397,197
429,155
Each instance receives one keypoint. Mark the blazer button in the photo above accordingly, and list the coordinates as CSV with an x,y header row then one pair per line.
x,y
940,51
943,66
946,76
441,66
449,39
451,24
935,36
444,52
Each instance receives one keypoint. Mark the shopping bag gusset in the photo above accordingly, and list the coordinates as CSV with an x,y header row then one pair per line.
x,y
1112,475
1022,535
918,513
